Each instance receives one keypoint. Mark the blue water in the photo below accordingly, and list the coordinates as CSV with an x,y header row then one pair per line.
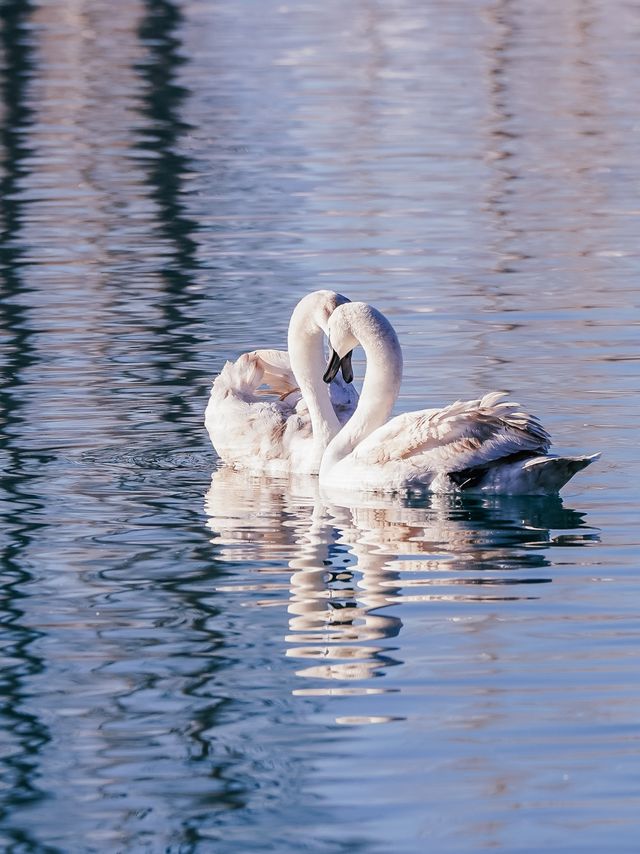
x,y
198,661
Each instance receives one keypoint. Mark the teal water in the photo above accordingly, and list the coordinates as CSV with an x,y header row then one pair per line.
x,y
198,661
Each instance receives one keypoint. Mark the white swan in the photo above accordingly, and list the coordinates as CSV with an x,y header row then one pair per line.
x,y
289,432
486,445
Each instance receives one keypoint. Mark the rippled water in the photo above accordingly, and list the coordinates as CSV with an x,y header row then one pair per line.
x,y
195,660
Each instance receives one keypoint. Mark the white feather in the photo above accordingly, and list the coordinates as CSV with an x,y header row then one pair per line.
x,y
488,445
257,416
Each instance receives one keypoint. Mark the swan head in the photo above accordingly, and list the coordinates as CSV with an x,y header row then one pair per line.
x,y
342,342
314,310
313,313
358,323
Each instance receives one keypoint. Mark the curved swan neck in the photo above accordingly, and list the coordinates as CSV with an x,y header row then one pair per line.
x,y
307,357
381,383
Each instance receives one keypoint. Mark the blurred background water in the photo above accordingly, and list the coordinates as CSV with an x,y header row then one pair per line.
x,y
198,663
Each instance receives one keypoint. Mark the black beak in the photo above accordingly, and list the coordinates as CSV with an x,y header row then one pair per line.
x,y
335,364
347,370
332,367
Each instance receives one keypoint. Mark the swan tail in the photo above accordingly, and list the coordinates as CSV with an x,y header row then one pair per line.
x,y
535,475
550,474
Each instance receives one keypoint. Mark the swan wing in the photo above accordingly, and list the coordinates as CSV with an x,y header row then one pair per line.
x,y
256,415
462,435
245,425
274,371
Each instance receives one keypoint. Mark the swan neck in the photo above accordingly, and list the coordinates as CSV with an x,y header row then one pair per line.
x,y
307,357
380,390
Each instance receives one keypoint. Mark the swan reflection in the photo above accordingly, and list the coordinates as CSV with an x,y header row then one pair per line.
x,y
343,569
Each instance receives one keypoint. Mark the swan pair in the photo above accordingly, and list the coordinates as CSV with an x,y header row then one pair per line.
x,y
485,445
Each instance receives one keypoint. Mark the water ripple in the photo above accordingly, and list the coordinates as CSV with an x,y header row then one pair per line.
x,y
174,176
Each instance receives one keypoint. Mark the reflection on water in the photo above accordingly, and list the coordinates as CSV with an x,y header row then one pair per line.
x,y
341,569
174,176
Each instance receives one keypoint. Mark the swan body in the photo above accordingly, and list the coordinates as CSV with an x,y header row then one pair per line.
x,y
269,411
484,445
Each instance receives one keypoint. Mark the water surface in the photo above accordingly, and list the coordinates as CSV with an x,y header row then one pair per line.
x,y
196,660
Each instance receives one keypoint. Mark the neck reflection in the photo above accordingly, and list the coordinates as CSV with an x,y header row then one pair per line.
x,y
345,570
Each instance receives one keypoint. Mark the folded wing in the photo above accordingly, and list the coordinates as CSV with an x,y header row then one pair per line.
x,y
463,435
